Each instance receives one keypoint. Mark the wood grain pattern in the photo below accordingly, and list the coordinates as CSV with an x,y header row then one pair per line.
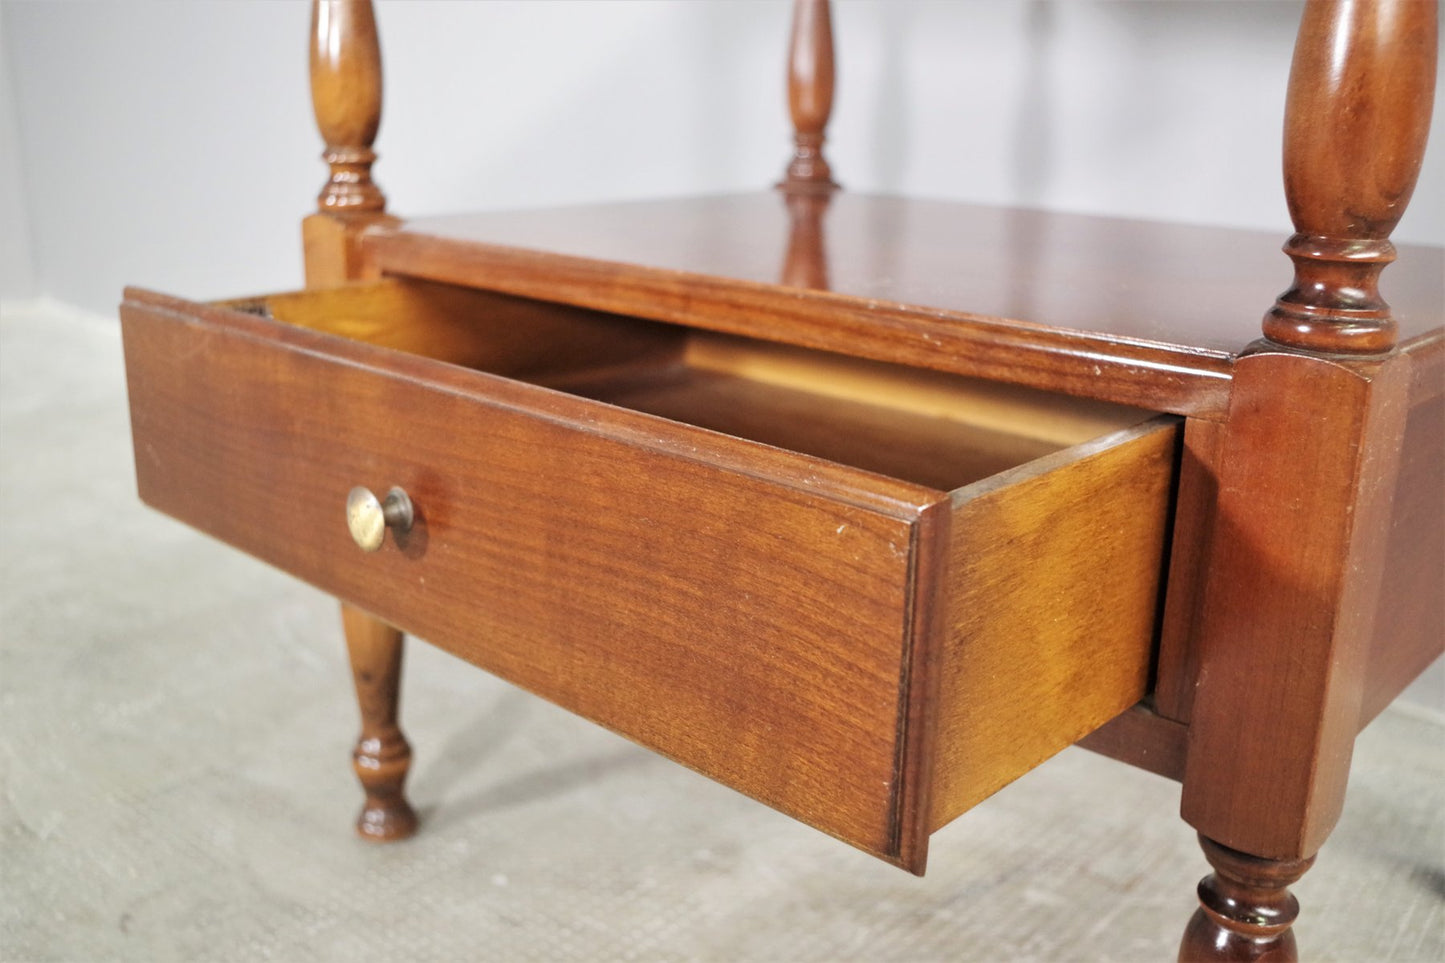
x,y
491,332
868,596
332,245
1038,415
382,755
345,71
1307,474
1177,666
770,618
1246,911
346,97
1357,117
1409,630
746,616
1055,571
810,95
1138,313
936,452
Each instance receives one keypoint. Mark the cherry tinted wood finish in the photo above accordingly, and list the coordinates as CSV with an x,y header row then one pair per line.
x,y
834,625
810,95
382,755
1409,623
1356,121
1177,666
805,264
739,610
346,99
1144,739
766,616
1300,536
345,68
1134,312
1245,909
346,96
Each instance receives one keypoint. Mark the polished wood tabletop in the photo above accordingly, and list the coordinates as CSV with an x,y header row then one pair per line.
x,y
1190,287
1132,311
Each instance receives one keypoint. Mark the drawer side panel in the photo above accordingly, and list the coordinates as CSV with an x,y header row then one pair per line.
x,y
1055,573
752,630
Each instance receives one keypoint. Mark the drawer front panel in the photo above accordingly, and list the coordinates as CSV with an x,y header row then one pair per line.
x,y
755,624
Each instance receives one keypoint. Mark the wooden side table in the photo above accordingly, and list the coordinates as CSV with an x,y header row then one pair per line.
x,y
861,505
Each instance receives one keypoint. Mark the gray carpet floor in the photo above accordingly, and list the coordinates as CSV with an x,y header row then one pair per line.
x,y
175,729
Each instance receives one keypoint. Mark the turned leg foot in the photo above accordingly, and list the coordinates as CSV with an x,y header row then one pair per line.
x,y
1245,909
382,755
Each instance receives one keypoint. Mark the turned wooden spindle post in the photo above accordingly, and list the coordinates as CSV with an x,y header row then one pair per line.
x,y
1306,475
346,96
1245,909
1356,119
382,754
810,95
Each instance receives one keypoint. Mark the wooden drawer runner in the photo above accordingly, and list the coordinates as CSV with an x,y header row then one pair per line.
x,y
863,595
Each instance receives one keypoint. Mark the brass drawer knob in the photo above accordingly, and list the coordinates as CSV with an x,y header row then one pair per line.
x,y
368,517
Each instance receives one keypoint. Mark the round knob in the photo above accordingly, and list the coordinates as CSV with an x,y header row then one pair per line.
x,y
368,517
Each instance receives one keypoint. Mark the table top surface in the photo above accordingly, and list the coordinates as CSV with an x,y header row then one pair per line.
x,y
1172,305
1204,288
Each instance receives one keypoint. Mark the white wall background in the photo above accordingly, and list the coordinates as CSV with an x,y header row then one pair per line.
x,y
171,144
17,270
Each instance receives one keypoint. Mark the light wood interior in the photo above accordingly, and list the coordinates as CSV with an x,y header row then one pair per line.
x,y
925,427
1053,589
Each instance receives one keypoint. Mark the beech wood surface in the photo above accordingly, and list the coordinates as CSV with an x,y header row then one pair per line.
x,y
931,451
491,332
1054,580
1025,412
1356,120
1133,312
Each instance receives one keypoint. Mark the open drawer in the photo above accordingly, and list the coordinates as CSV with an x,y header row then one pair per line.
x,y
865,595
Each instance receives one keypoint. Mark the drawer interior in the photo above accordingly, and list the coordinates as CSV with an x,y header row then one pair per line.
x,y
931,428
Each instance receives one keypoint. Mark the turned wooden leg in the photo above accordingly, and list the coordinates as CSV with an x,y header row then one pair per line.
x,y
382,755
1245,910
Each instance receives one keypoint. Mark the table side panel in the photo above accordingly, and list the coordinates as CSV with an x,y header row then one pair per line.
x,y
1409,631
1124,372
